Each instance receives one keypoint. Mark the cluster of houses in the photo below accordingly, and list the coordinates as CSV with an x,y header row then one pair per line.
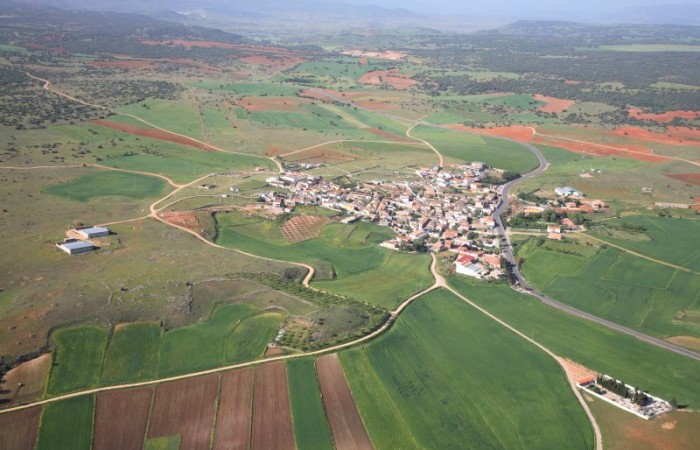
x,y
444,210
80,243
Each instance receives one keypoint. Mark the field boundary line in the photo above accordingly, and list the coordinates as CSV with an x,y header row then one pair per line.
x,y
47,87
572,384
640,255
439,282
436,151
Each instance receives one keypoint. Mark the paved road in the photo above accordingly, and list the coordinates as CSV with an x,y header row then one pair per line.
x,y
524,286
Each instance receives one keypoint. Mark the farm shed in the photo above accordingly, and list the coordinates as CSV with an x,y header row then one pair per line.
x,y
92,232
74,247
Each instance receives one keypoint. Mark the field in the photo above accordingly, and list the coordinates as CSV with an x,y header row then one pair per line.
x,y
593,346
437,369
400,276
67,424
121,419
182,348
674,431
233,420
348,249
471,147
26,382
249,339
132,354
77,359
346,425
624,288
18,430
310,423
185,408
672,240
272,419
301,228
109,184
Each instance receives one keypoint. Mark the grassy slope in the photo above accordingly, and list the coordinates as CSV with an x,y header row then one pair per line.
x,y
673,240
77,358
400,276
310,423
249,339
67,424
132,354
624,288
108,184
471,147
458,379
661,372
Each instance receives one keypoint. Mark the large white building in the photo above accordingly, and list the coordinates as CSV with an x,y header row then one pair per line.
x,y
74,246
92,232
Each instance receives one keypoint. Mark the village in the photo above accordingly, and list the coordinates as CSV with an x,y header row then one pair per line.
x,y
444,210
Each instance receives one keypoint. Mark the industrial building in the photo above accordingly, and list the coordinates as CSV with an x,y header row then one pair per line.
x,y
75,247
92,232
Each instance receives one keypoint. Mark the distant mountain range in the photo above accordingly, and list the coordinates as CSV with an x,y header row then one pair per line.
x,y
314,14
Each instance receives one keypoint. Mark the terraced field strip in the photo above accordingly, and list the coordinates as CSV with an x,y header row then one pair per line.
x,y
233,419
348,431
121,418
272,418
185,408
18,431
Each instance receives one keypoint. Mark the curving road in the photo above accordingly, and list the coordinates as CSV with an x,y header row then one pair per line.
x,y
525,287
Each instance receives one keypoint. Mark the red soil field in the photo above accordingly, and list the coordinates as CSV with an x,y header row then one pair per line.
x,y
272,418
186,408
121,418
666,117
393,137
271,104
524,134
690,178
346,425
151,133
516,132
553,104
672,136
187,219
390,77
18,430
233,419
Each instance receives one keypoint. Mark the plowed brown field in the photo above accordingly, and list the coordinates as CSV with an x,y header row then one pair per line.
x,y
151,133
666,117
32,375
346,425
233,416
393,137
18,430
272,418
301,228
186,408
121,418
553,104
390,77
690,178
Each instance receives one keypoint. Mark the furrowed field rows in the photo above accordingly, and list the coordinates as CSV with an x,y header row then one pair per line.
x,y
121,419
185,408
272,419
310,422
234,420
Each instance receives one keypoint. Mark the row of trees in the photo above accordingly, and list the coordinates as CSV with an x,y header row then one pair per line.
x,y
618,387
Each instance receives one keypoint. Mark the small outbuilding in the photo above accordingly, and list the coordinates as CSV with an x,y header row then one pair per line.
x,y
92,232
75,247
